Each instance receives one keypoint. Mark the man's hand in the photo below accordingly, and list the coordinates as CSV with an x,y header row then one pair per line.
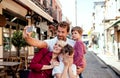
x,y
25,33
79,69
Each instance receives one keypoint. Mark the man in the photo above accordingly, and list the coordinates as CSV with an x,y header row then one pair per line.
x,y
62,32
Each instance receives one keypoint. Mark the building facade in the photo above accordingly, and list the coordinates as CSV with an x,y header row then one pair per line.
x,y
18,13
107,24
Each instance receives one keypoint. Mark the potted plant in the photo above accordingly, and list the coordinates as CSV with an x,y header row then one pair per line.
x,y
18,41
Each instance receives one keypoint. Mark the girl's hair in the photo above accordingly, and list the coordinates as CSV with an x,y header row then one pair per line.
x,y
77,28
67,49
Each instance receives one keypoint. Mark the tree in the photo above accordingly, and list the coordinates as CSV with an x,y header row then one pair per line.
x,y
18,41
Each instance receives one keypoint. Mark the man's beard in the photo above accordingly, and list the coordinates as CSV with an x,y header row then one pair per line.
x,y
61,38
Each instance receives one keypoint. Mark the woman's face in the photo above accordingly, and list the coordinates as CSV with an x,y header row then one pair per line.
x,y
57,47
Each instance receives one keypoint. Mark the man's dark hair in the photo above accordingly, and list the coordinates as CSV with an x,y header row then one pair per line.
x,y
64,24
67,49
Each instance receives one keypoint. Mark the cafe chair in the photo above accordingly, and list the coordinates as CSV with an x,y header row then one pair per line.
x,y
3,74
14,68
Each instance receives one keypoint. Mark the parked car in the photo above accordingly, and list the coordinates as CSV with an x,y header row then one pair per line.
x,y
85,39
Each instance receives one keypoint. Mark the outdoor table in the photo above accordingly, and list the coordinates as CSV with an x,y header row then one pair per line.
x,y
27,60
11,64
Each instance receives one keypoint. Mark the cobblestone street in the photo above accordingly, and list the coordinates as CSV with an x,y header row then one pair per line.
x,y
96,68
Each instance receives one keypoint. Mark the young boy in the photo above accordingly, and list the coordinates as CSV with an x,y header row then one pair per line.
x,y
79,49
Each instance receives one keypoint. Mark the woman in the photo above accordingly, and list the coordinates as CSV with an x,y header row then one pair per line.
x,y
42,64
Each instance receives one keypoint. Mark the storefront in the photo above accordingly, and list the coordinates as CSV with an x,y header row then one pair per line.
x,y
113,38
13,22
15,13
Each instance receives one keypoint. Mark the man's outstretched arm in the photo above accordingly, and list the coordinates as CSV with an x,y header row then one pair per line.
x,y
32,41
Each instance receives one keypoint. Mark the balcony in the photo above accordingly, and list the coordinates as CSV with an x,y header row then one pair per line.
x,y
42,6
37,2
46,7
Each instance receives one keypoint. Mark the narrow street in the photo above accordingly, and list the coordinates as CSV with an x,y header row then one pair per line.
x,y
96,68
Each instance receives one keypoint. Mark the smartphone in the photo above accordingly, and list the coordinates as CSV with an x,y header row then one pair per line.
x,y
30,29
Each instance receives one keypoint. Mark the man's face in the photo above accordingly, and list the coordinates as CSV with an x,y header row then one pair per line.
x,y
62,33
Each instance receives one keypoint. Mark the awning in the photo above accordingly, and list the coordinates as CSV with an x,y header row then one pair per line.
x,y
37,9
115,23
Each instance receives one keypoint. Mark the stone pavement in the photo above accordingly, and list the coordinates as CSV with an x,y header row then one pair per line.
x,y
110,60
96,68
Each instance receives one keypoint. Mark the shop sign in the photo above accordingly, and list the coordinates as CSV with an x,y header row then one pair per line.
x,y
2,20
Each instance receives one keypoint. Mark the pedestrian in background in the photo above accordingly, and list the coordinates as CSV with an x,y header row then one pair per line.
x,y
79,50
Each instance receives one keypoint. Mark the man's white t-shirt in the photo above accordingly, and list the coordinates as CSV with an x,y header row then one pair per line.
x,y
51,42
60,67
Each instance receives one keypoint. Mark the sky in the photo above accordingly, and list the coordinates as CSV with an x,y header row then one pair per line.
x,y
84,12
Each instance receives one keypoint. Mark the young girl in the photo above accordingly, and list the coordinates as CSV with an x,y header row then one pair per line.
x,y
80,49
66,68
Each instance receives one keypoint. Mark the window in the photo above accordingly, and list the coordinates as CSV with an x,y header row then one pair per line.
x,y
6,39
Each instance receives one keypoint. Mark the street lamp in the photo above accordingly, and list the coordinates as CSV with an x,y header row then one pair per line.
x,y
28,15
76,12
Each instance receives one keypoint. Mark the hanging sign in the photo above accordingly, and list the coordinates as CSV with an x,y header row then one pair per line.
x,y
2,20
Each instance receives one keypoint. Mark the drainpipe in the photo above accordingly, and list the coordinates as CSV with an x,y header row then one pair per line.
x,y
116,29
118,46
118,54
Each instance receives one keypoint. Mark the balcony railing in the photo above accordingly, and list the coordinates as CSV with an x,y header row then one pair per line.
x,y
37,2
46,7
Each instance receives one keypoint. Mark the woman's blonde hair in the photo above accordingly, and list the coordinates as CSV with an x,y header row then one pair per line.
x,y
61,42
